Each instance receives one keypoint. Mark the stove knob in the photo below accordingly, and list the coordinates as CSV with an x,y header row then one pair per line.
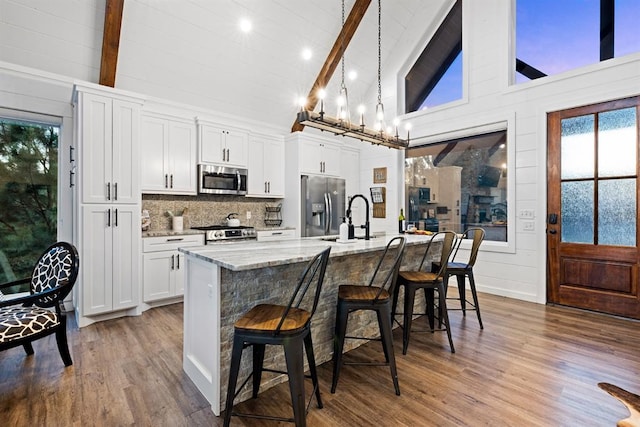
x,y
218,234
245,232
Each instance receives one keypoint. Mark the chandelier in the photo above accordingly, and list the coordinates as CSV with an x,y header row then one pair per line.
x,y
342,125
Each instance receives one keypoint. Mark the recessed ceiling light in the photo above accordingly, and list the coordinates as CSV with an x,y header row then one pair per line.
x,y
306,54
245,25
353,74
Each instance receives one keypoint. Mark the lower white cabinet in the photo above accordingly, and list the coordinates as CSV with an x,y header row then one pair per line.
x,y
163,266
110,258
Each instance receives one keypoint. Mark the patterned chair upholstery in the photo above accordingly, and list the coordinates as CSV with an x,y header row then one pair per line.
x,y
28,318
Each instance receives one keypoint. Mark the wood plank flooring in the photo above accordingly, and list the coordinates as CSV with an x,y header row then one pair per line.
x,y
532,365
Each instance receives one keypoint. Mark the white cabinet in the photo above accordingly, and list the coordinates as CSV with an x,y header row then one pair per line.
x,y
449,198
266,166
108,142
110,254
168,155
275,235
222,145
319,158
163,266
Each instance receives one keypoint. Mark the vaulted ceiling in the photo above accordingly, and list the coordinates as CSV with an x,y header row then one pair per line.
x,y
193,52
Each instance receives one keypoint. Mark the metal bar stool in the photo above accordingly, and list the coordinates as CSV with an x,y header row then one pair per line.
x,y
375,296
430,282
465,269
288,326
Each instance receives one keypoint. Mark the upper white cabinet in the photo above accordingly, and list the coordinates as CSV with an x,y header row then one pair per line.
x,y
108,141
266,166
168,155
319,157
222,145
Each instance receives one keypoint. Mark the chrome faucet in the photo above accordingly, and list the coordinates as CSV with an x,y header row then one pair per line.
x,y
366,224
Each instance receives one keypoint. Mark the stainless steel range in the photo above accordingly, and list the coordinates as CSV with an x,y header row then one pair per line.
x,y
223,233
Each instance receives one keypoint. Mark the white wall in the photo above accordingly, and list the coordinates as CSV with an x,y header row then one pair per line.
x,y
518,271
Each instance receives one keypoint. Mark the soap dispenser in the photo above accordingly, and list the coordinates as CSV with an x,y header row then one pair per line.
x,y
344,230
351,230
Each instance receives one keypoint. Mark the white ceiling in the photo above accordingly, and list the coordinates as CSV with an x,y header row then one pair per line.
x,y
192,51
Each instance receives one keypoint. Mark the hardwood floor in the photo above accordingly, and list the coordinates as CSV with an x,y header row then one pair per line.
x,y
532,365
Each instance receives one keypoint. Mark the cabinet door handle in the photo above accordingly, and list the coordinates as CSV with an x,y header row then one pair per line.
x,y
115,219
173,262
166,180
228,155
108,217
269,186
71,159
171,181
178,262
265,186
108,191
71,174
224,155
115,191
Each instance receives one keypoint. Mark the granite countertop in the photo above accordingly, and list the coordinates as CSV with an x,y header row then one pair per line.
x,y
247,255
162,233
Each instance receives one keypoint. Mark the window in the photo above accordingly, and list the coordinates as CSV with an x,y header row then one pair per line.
x,y
458,184
436,77
28,195
557,36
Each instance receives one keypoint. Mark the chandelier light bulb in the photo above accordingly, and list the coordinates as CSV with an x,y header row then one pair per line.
x,y
302,102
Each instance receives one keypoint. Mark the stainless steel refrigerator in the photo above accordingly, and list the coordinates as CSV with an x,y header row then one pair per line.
x,y
322,205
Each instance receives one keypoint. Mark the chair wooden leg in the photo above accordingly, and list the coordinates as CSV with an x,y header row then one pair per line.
x,y
236,356
444,315
28,348
409,297
295,369
472,285
258,362
384,321
311,359
63,345
342,314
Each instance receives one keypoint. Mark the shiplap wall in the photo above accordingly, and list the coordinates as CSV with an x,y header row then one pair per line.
x,y
65,38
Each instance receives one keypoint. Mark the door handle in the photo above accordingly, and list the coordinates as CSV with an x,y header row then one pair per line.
x,y
553,218
108,191
173,262
115,191
178,262
108,217
115,220
552,231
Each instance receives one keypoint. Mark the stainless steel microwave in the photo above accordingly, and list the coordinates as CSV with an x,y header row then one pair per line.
x,y
221,180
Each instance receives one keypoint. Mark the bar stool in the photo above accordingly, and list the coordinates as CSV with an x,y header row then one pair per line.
x,y
375,296
430,282
289,326
462,270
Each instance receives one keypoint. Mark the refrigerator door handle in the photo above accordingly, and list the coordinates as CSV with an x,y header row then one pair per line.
x,y
327,221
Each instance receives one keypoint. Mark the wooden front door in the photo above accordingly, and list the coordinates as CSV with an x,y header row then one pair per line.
x,y
592,207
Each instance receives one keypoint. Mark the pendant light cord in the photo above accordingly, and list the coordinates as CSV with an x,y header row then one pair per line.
x,y
379,52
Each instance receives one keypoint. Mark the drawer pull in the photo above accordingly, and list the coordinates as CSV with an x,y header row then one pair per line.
x,y
176,239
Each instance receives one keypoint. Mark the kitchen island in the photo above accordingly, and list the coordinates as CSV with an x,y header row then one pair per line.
x,y
223,281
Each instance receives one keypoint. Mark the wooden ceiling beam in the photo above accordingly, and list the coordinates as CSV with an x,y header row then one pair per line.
x,y
111,41
335,55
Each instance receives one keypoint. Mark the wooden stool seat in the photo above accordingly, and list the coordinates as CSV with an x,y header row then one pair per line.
x,y
361,293
418,276
266,317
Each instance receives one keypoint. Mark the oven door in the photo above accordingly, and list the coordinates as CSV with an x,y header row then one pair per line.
x,y
221,180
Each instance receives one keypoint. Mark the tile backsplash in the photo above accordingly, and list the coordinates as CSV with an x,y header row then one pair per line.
x,y
205,210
